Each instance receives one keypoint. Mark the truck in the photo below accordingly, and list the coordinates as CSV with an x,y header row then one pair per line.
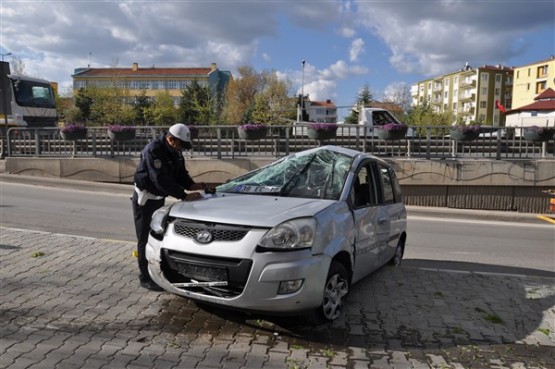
x,y
26,102
368,118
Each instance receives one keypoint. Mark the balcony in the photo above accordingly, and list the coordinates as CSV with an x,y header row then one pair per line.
x,y
467,84
464,97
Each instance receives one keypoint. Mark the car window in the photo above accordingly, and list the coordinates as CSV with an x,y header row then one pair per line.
x,y
387,185
364,189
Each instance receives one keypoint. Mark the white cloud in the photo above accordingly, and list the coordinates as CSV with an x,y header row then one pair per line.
x,y
266,57
435,37
357,47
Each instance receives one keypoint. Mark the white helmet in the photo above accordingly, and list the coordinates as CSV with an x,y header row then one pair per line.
x,y
180,131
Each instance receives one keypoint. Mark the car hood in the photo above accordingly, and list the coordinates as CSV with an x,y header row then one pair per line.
x,y
244,209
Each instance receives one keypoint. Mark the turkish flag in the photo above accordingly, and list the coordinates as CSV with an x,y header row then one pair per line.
x,y
500,106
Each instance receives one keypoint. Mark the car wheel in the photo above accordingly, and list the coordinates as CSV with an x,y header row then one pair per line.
x,y
398,256
335,292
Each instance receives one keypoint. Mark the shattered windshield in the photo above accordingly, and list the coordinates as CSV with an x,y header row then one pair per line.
x,y
317,174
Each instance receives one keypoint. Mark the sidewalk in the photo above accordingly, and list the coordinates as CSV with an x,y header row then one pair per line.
x,y
74,302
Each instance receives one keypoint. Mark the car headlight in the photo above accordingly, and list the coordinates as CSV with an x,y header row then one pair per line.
x,y
159,220
293,234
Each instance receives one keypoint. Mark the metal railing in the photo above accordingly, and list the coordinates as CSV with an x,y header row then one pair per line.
x,y
224,142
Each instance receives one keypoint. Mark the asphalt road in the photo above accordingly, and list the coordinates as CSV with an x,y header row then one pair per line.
x,y
105,212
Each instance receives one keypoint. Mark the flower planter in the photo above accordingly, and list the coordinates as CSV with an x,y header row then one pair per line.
x,y
539,135
74,136
391,135
469,135
252,133
124,135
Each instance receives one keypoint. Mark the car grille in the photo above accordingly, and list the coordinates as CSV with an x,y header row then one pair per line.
x,y
219,232
180,267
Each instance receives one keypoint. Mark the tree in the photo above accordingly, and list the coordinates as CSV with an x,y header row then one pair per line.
x,y
364,98
162,111
272,101
240,96
17,66
423,115
83,101
196,105
140,106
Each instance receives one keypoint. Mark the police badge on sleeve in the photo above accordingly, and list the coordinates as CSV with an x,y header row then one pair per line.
x,y
157,163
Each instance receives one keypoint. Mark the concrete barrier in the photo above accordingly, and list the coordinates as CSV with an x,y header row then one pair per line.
x,y
516,185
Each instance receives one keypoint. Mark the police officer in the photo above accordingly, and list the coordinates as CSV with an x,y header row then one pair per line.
x,y
160,173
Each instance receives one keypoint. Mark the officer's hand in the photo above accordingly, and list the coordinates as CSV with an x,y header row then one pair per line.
x,y
192,196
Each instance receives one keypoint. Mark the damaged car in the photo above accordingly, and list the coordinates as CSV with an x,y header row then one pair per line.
x,y
287,238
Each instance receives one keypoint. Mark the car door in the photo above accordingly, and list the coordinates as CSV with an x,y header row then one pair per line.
x,y
364,198
391,212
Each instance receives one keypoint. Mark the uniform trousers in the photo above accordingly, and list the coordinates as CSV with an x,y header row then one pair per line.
x,y
142,216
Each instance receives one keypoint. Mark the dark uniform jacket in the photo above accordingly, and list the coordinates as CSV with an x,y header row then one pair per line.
x,y
161,170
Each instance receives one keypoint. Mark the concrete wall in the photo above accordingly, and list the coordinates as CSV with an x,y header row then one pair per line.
x,y
466,184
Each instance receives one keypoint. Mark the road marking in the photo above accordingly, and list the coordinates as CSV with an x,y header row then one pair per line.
x,y
483,222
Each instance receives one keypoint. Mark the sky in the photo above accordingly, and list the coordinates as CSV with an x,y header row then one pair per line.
x,y
345,44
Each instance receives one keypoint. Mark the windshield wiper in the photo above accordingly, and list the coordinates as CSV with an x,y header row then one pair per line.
x,y
284,190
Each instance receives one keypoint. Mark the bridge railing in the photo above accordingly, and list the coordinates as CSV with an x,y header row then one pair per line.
x,y
224,142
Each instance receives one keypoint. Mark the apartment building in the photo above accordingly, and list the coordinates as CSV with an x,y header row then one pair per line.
x,y
531,80
151,80
469,93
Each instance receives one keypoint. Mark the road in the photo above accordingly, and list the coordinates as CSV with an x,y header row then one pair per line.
x,y
458,243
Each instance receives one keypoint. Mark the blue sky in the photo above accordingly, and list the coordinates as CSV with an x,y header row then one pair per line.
x,y
346,44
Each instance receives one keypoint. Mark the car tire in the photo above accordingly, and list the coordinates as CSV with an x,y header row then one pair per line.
x,y
398,256
335,292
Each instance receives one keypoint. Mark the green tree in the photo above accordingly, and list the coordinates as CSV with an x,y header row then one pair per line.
x,y
424,116
196,105
162,111
140,106
83,101
364,98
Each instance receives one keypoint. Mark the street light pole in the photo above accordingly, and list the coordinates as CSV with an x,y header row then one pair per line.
x,y
302,91
3,55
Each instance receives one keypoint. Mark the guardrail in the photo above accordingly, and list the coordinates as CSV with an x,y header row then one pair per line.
x,y
224,142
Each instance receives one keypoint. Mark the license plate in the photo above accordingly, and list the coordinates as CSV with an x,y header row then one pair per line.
x,y
203,273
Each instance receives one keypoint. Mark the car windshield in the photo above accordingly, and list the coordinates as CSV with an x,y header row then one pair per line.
x,y
317,174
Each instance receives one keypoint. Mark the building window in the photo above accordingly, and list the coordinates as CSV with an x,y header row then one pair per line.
x,y
484,90
446,94
540,87
527,87
484,76
542,71
497,92
483,104
79,84
481,118
498,78
454,106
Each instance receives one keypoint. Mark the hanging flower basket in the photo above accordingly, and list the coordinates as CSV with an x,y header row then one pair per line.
x,y
118,132
462,132
391,131
252,131
540,134
322,131
73,132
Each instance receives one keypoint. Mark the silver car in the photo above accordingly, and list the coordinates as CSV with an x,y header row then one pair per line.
x,y
290,237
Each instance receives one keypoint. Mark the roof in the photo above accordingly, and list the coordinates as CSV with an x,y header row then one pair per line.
x,y
543,102
327,104
142,72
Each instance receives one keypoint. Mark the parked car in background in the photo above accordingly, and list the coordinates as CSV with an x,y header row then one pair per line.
x,y
290,237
